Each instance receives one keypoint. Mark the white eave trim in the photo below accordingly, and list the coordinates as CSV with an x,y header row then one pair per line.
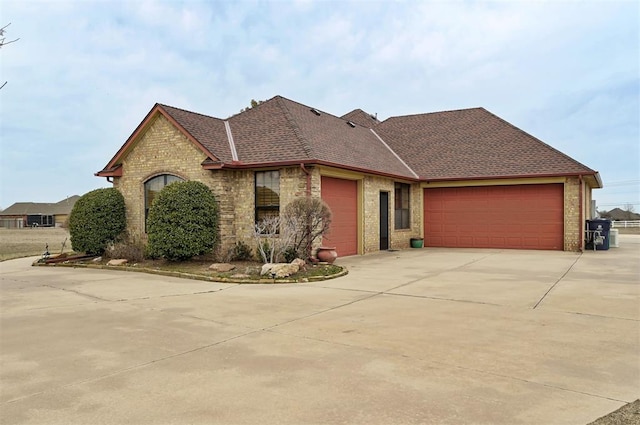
x,y
232,145
394,154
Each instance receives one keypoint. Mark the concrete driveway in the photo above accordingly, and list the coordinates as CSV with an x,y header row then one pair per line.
x,y
443,336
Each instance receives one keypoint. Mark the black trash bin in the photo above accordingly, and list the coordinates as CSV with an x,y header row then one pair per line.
x,y
595,227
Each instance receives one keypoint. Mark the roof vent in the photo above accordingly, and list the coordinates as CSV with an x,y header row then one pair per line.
x,y
315,111
350,124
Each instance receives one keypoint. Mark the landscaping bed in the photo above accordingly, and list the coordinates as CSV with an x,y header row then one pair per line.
x,y
242,271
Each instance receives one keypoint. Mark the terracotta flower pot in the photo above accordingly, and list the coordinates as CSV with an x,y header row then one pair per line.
x,y
327,254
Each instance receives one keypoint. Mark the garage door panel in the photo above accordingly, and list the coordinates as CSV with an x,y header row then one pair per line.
x,y
526,217
342,197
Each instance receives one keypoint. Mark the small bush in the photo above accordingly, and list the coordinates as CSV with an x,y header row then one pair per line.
x,y
241,252
290,254
132,250
97,219
183,221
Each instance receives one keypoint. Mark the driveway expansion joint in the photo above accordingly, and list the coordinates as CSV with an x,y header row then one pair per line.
x,y
558,281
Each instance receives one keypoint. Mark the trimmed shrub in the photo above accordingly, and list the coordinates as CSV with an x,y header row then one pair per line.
x,y
96,220
241,252
183,221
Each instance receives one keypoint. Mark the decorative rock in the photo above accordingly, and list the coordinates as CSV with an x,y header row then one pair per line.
x,y
298,262
279,270
117,262
221,267
97,259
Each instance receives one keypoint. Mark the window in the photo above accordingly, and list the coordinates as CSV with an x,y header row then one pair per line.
x,y
402,217
267,194
151,189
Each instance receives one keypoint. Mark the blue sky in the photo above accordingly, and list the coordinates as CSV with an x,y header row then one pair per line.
x,y
84,74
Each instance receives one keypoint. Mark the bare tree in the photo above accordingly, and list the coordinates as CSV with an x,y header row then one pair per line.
x,y
309,219
3,39
629,209
273,238
4,42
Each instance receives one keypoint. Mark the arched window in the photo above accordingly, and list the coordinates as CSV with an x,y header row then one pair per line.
x,y
152,187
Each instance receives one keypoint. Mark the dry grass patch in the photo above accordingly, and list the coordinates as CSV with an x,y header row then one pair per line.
x,y
28,242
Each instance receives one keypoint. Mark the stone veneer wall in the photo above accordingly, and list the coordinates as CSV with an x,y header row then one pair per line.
x,y
573,240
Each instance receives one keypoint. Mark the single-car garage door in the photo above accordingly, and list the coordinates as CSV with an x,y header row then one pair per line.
x,y
342,197
520,217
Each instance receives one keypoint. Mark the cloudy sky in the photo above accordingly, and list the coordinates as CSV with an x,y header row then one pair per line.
x,y
85,73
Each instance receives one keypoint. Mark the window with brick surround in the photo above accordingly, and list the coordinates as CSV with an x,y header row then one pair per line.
x,y
267,192
402,206
152,187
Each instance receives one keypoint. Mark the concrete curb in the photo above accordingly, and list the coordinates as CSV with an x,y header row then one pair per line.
x,y
193,276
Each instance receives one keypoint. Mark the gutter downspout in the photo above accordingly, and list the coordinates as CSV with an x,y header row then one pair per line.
x,y
308,173
309,248
581,218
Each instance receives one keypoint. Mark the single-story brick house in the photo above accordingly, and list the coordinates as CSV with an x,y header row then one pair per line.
x,y
463,178
37,214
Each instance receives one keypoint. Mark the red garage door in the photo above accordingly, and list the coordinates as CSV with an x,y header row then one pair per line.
x,y
342,197
521,217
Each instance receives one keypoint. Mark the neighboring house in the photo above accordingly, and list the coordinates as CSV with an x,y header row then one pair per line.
x,y
34,214
462,178
618,214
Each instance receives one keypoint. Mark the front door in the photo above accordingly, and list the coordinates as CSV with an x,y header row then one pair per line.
x,y
384,220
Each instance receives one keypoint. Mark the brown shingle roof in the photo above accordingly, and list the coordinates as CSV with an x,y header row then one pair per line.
x,y
209,131
463,144
360,117
26,208
281,130
620,215
332,140
472,143
266,134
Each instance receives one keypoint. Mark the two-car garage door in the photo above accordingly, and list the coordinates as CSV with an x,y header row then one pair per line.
x,y
520,217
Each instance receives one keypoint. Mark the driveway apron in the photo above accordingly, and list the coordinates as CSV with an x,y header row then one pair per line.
x,y
447,336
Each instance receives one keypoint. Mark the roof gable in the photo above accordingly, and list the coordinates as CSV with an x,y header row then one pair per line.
x,y
360,117
201,130
207,132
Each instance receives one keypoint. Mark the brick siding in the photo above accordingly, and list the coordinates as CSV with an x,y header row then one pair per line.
x,y
162,149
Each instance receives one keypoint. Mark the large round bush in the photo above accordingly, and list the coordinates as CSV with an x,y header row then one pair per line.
x,y
183,221
97,219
